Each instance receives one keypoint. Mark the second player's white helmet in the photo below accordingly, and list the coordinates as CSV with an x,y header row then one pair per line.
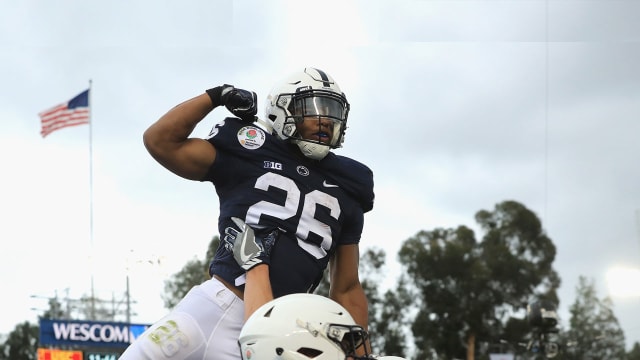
x,y
302,327
310,93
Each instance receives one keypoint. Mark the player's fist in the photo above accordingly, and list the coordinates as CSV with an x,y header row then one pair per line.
x,y
248,249
241,103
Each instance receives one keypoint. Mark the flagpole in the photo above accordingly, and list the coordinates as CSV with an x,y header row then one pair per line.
x,y
91,250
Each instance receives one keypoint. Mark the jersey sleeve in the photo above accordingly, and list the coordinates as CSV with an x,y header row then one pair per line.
x,y
221,133
356,178
223,136
352,229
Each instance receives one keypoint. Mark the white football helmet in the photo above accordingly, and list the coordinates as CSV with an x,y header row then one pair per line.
x,y
302,327
302,96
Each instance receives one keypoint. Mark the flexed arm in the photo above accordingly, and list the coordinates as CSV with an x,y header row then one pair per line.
x,y
168,141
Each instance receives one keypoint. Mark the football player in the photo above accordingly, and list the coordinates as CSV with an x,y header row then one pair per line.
x,y
304,204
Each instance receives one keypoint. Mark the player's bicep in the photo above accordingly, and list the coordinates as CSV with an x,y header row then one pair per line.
x,y
190,159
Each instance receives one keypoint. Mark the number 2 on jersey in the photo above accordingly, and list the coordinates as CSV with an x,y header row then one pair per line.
x,y
307,222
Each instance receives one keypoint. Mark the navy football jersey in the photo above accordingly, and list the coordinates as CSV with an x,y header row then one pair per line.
x,y
267,182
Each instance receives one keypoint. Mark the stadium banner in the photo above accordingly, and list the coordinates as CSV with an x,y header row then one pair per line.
x,y
88,333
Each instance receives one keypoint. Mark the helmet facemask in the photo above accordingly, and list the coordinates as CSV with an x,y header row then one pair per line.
x,y
326,109
350,338
304,97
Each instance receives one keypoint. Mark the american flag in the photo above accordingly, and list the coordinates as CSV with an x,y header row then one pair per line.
x,y
71,113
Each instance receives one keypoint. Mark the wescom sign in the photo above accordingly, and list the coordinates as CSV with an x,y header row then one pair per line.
x,y
88,333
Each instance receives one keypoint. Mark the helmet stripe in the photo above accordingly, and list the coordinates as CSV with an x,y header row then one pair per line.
x,y
324,77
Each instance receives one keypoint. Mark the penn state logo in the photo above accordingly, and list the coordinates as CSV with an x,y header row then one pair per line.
x,y
302,170
251,137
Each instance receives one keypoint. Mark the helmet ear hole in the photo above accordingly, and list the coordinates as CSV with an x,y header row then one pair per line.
x,y
309,352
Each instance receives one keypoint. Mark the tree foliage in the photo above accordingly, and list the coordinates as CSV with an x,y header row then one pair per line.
x,y
469,288
593,328
518,254
445,269
390,321
22,343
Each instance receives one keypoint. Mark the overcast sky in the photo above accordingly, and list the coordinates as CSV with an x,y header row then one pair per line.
x,y
456,106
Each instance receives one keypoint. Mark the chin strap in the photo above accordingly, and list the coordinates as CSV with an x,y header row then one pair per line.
x,y
312,150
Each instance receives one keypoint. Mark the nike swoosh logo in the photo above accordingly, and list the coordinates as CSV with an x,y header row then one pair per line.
x,y
243,250
246,233
326,184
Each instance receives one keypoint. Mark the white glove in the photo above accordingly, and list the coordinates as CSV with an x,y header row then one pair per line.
x,y
248,250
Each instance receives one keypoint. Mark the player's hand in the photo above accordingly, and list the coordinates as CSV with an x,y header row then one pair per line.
x,y
241,103
248,250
